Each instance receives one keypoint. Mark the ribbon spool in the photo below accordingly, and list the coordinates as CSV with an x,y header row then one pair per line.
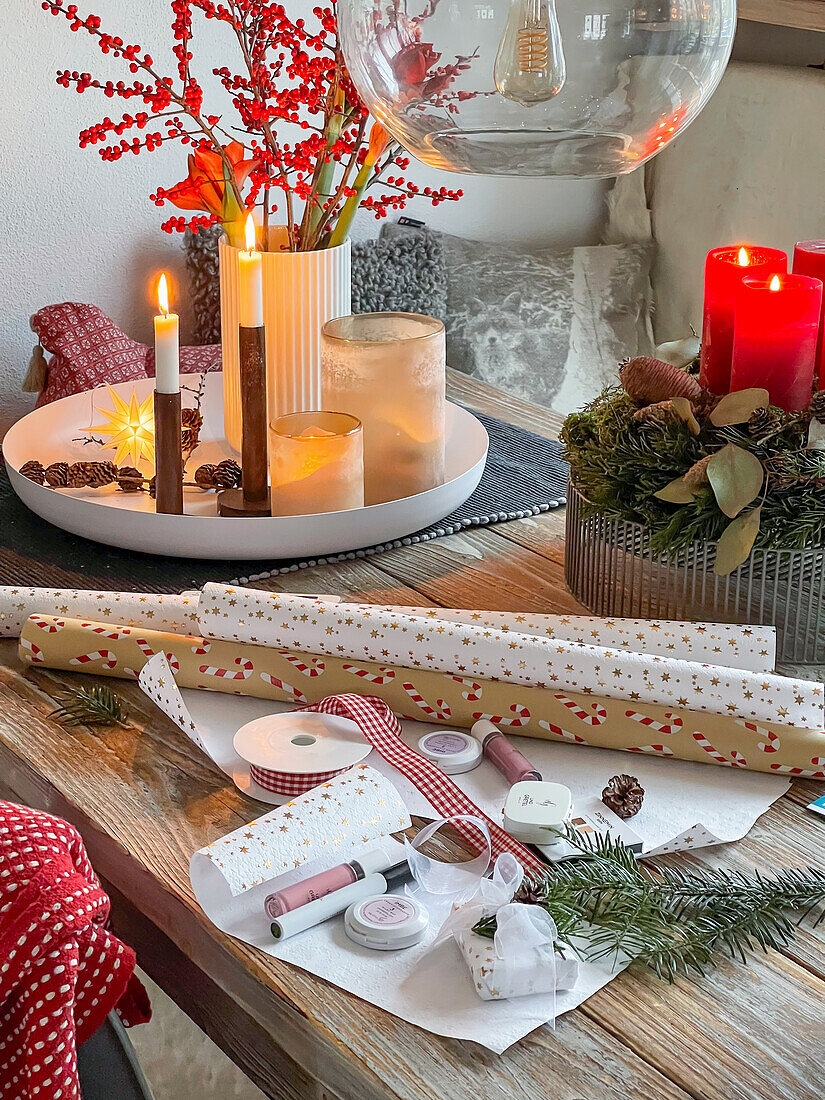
x,y
290,753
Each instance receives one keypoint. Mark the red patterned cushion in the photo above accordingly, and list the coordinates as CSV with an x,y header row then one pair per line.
x,y
89,350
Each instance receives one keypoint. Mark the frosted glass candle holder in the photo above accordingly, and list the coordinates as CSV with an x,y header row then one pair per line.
x,y
388,369
316,463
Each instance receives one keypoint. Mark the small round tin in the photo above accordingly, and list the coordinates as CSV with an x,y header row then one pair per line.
x,y
454,751
386,922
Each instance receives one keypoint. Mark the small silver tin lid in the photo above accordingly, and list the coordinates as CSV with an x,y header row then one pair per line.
x,y
386,922
454,751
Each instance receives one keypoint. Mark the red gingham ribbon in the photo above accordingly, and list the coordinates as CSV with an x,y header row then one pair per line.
x,y
287,782
383,731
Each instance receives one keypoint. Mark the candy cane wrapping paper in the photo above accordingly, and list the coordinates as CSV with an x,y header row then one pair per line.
x,y
641,728
752,648
177,614
309,625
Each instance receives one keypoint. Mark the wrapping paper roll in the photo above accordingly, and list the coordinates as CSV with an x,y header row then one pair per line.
x,y
177,614
348,812
752,648
311,626
428,696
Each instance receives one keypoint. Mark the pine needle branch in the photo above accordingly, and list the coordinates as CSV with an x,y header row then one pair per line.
x,y
94,706
671,920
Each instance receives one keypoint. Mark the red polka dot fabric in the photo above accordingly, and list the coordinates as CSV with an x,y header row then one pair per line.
x,y
89,350
61,970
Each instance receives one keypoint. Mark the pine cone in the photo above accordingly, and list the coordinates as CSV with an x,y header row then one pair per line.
x,y
205,476
152,487
227,474
662,412
697,475
624,795
78,476
762,422
816,408
34,471
651,380
57,475
130,480
191,424
531,892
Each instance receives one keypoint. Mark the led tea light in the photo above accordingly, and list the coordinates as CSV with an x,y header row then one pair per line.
x,y
316,463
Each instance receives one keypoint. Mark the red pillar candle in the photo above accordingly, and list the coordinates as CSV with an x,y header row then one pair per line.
x,y
774,339
809,259
725,268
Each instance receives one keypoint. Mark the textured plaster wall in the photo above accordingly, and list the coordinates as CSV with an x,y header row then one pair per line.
x,y
75,228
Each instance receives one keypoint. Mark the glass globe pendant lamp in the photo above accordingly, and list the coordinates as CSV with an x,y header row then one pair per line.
x,y
575,88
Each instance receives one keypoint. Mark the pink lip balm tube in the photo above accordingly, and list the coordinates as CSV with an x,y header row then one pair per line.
x,y
502,754
327,882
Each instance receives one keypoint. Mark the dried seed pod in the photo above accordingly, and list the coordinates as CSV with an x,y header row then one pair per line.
x,y
227,474
624,795
34,471
57,475
130,479
205,476
651,380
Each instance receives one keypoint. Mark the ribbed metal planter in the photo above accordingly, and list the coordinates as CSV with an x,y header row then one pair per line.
x,y
610,567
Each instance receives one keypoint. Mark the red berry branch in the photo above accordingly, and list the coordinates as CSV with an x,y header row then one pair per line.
x,y
309,143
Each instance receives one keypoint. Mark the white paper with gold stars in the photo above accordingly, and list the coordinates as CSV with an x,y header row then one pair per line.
x,y
175,614
327,824
309,625
752,648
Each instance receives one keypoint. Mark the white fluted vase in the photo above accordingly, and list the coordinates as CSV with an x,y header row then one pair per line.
x,y
302,291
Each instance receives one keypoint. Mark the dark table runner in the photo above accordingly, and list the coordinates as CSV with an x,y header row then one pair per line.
x,y
525,475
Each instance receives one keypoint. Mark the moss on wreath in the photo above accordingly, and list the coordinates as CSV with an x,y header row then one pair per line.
x,y
619,459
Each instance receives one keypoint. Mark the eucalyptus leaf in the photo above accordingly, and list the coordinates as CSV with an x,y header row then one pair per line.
x,y
684,410
736,542
675,492
736,477
739,406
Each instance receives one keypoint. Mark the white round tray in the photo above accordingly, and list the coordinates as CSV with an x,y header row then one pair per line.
x,y
128,520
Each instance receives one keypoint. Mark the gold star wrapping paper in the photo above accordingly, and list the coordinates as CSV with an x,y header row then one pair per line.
x,y
177,614
752,648
452,699
311,626
328,822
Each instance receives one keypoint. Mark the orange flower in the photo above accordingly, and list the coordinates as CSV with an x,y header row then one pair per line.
x,y
204,188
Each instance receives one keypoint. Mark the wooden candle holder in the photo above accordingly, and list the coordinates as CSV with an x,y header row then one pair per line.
x,y
253,498
168,457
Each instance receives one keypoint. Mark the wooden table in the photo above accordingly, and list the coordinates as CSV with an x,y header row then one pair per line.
x,y
144,801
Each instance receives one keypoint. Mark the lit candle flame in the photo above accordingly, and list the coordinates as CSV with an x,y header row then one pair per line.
x,y
774,283
163,295
250,232
743,259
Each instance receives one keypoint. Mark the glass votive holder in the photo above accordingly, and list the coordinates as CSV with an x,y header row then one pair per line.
x,y
316,463
388,369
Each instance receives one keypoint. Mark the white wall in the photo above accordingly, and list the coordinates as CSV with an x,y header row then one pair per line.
x,y
76,228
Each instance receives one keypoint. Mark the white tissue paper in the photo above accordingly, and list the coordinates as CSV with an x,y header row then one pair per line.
x,y
685,805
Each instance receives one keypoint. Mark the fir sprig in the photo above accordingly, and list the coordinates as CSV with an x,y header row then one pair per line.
x,y
94,706
609,906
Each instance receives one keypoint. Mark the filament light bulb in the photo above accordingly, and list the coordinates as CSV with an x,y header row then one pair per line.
x,y
530,65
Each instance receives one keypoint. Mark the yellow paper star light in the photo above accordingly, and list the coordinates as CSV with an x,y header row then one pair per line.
x,y
130,429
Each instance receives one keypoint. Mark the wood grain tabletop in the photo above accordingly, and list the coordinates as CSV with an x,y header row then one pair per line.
x,y
144,799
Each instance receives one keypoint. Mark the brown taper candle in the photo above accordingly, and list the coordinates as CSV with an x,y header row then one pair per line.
x,y
168,458
252,350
